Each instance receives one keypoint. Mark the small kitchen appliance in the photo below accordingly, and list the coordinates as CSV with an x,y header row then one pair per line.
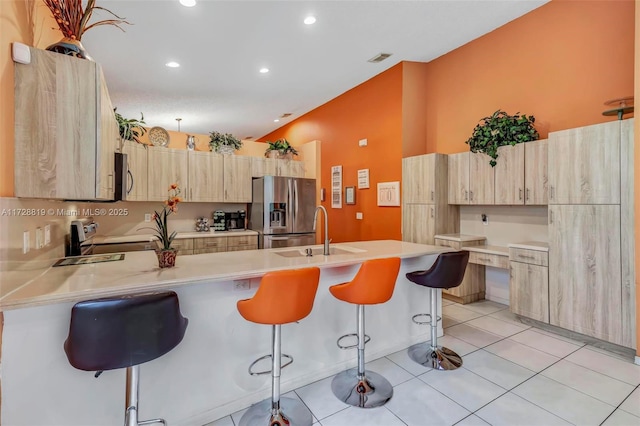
x,y
219,221
235,221
202,224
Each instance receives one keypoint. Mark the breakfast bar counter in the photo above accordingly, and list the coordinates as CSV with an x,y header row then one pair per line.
x,y
205,377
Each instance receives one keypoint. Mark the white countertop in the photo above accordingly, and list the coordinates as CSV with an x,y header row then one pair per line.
x,y
139,271
460,237
497,250
107,239
531,245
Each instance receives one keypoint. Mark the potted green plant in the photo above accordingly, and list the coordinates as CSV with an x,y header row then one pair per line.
x,y
280,148
166,254
224,143
500,129
130,128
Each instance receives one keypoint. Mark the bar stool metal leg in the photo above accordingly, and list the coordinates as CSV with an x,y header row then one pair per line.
x,y
432,355
277,411
133,387
357,387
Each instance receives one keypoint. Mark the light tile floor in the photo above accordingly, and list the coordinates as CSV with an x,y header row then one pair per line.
x,y
512,374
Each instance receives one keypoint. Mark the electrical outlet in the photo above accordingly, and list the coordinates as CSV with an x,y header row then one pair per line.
x,y
242,284
485,219
359,215
363,142
39,238
147,217
47,235
25,242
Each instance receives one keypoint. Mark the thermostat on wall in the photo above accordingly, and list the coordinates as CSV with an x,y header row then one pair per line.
x,y
20,53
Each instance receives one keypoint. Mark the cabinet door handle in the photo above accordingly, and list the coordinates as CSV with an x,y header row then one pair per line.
x,y
190,194
551,191
524,256
484,259
111,182
432,195
520,194
471,195
527,194
550,216
466,195
432,212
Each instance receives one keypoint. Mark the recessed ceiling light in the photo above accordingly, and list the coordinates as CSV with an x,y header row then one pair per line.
x,y
172,64
264,70
310,20
276,120
188,3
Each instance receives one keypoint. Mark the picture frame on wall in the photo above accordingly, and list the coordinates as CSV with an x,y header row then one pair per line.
x,y
389,194
349,194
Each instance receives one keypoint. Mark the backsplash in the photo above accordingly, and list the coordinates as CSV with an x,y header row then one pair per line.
x,y
122,218
506,224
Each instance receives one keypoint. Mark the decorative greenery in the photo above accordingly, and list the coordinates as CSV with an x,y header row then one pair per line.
x,y
73,19
170,206
218,140
130,128
501,129
282,146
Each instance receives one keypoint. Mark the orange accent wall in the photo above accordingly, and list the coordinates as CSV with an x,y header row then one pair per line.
x,y
560,62
30,23
372,110
636,167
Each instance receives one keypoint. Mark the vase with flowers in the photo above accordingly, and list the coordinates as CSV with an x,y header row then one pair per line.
x,y
166,254
73,21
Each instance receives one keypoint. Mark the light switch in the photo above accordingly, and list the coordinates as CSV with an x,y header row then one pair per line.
x,y
147,217
359,215
363,142
39,238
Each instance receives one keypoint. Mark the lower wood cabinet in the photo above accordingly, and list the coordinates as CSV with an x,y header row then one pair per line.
x,y
203,245
183,246
529,283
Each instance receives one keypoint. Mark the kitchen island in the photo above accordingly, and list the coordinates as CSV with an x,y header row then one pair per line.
x,y
205,377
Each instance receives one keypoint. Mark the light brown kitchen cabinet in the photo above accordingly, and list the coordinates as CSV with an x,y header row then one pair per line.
x,y
206,175
582,165
535,172
585,288
65,129
458,178
481,179
166,167
184,246
209,245
425,211
277,167
137,163
243,242
510,175
529,283
237,179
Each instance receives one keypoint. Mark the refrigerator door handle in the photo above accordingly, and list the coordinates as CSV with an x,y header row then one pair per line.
x,y
280,238
295,205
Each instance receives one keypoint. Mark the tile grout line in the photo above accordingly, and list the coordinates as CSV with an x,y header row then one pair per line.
x,y
622,409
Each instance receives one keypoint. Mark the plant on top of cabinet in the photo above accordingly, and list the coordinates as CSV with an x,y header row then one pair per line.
x,y
281,148
501,129
73,22
224,143
130,128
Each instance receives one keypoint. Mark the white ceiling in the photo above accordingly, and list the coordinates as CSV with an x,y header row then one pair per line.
x,y
221,45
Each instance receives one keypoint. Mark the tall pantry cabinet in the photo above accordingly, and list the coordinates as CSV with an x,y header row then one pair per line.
x,y
591,252
425,210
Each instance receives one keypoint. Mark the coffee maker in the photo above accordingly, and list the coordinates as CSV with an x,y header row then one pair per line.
x,y
235,221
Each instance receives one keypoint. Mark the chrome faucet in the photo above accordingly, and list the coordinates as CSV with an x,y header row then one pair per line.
x,y
326,228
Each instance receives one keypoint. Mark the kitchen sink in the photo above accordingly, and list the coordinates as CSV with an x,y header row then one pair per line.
x,y
318,250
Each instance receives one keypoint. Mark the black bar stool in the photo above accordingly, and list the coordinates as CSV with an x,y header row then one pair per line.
x,y
124,332
446,272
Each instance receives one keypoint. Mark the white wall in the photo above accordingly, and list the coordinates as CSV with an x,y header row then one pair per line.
x,y
506,224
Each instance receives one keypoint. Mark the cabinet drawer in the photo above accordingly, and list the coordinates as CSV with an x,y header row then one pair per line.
x,y
183,244
250,241
532,257
489,260
184,252
241,248
209,250
448,243
209,243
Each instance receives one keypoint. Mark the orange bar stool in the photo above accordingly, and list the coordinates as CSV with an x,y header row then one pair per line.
x,y
373,284
124,332
283,297
447,272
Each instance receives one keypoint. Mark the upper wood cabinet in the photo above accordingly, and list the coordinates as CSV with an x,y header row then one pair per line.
x,y
418,178
206,174
535,172
276,167
458,178
137,164
581,162
237,179
167,166
510,175
481,179
65,129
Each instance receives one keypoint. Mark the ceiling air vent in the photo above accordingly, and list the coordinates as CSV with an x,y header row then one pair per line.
x,y
379,57
285,115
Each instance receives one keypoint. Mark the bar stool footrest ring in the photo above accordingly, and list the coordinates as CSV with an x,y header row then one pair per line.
x,y
259,373
416,316
153,422
366,340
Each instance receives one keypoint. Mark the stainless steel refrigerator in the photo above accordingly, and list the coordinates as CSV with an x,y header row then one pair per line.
x,y
282,211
